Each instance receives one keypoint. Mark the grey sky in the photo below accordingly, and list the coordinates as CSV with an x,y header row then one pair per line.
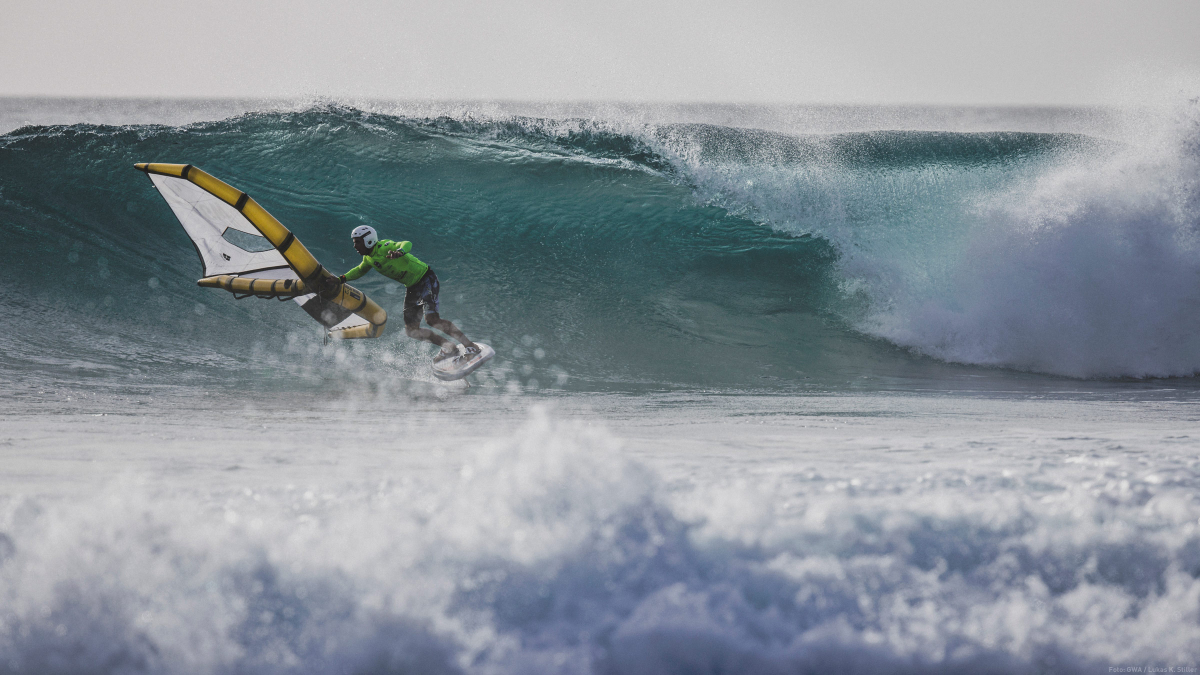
x,y
865,51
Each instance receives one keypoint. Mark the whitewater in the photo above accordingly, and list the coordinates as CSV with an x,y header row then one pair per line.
x,y
777,390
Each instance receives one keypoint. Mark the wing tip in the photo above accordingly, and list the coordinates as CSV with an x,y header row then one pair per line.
x,y
173,170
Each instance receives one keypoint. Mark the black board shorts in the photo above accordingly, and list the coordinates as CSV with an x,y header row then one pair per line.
x,y
421,297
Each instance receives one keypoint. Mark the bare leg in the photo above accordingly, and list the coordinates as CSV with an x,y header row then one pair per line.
x,y
412,328
426,335
447,327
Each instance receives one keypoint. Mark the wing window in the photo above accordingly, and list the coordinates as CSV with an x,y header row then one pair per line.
x,y
251,243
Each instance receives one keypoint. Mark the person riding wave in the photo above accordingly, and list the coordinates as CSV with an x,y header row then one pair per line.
x,y
394,261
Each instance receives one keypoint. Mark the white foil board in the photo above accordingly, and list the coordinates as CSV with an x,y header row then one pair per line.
x,y
457,368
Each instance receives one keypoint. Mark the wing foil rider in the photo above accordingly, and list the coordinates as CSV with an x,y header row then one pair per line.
x,y
393,260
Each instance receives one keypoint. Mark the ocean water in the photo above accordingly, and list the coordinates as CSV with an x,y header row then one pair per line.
x,y
778,390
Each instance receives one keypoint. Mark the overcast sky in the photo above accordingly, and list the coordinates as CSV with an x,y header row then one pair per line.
x,y
865,51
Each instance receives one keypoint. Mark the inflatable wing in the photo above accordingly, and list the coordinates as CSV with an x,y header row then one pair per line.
x,y
247,252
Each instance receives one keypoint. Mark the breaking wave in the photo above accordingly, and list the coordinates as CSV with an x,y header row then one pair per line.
x,y
600,254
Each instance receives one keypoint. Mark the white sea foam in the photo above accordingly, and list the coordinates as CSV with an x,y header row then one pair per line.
x,y
550,550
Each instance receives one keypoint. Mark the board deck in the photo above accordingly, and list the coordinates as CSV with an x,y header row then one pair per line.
x,y
457,368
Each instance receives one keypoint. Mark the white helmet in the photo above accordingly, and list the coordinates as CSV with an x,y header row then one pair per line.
x,y
365,234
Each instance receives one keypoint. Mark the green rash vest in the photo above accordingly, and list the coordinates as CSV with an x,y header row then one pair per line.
x,y
406,269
